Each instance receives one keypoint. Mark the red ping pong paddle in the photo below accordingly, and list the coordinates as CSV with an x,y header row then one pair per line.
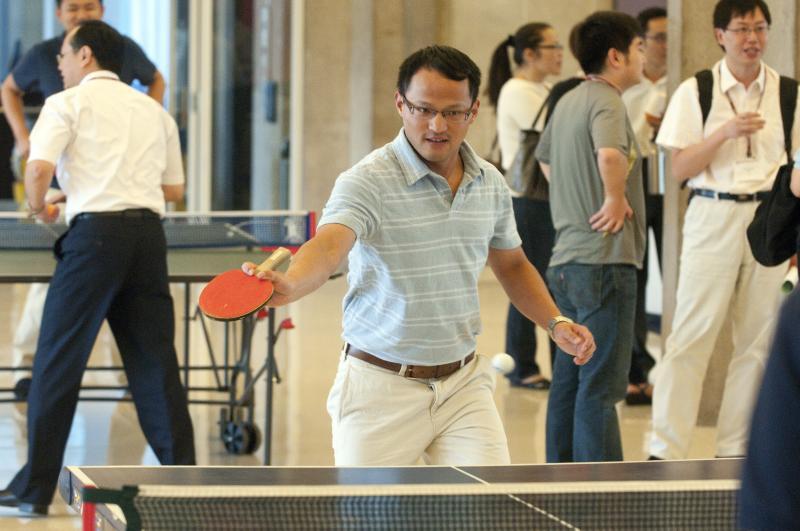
x,y
234,294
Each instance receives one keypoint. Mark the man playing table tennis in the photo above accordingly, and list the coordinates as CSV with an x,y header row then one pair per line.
x,y
419,219
118,159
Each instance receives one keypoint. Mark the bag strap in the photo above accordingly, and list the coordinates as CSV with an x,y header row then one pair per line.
x,y
788,96
705,87
541,110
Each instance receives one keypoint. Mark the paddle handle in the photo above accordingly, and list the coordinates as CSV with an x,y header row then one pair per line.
x,y
278,256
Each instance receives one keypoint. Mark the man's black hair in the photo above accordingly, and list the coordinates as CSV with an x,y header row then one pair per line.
x,y
451,63
59,2
646,15
105,42
601,32
726,10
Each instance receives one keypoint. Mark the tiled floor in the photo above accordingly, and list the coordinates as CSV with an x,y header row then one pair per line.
x,y
107,433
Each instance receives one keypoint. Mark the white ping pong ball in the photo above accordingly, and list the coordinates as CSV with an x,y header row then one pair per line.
x,y
503,363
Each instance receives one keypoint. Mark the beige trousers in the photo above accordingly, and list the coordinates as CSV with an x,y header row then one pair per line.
x,y
383,419
718,273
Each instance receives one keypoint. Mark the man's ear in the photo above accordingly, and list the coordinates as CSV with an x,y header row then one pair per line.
x,y
85,55
398,102
474,115
614,58
718,33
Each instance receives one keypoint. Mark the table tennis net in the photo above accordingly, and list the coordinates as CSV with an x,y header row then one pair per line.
x,y
183,230
703,505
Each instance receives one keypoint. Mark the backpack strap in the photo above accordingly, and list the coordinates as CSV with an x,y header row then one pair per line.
x,y
705,87
788,96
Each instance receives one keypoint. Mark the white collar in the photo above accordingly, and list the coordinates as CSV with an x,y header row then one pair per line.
x,y
99,74
727,81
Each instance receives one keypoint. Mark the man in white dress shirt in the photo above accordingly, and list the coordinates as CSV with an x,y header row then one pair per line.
x,y
645,103
118,159
730,162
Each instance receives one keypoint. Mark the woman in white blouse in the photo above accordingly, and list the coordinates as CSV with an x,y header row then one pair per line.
x,y
517,96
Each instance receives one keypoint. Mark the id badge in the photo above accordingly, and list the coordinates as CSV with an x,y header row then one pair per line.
x,y
748,171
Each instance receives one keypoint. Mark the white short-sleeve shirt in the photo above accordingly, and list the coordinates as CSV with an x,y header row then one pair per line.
x,y
517,105
113,147
647,97
683,127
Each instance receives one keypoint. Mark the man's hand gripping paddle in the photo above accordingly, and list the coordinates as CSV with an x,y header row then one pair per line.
x,y
233,294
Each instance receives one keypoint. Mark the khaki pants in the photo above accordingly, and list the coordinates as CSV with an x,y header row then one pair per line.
x,y
718,273
383,419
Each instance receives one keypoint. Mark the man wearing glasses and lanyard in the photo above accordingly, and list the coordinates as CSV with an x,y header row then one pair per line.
x,y
730,162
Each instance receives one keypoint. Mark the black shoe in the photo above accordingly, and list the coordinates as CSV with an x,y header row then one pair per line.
x,y
539,384
654,458
9,499
642,396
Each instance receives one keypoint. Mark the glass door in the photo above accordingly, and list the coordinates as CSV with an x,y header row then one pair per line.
x,y
242,91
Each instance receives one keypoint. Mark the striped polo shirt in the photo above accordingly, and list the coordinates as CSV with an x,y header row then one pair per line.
x,y
413,280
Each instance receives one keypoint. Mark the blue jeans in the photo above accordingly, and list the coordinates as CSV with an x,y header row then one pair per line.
x,y
582,422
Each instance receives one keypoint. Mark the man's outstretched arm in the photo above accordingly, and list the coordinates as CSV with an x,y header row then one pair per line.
x,y
311,267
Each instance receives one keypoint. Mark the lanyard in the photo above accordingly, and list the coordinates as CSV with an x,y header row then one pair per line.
x,y
758,108
595,77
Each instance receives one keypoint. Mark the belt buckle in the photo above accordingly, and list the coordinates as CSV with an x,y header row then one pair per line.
x,y
743,198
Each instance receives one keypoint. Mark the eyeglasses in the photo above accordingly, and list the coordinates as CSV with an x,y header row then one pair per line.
x,y
425,113
660,38
551,46
744,31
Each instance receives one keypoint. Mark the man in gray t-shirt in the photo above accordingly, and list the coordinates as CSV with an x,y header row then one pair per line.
x,y
590,119
589,153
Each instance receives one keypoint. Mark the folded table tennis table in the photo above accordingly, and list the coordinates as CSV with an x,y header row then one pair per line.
x,y
694,494
200,245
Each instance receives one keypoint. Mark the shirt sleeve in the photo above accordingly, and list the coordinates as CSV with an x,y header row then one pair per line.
x,y
353,203
136,65
682,125
173,174
609,125
52,132
26,71
505,229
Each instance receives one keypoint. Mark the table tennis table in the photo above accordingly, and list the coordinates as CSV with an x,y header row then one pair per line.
x,y
695,494
200,246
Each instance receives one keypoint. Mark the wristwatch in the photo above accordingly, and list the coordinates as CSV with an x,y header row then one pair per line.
x,y
554,322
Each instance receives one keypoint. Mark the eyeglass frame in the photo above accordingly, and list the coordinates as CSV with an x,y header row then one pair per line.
x,y
556,46
455,114
660,37
745,31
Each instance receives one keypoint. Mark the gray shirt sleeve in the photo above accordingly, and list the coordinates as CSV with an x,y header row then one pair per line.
x,y
608,124
353,203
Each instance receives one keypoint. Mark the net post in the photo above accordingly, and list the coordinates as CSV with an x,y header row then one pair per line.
x,y
88,514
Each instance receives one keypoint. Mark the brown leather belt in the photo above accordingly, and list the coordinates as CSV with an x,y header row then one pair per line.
x,y
410,371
